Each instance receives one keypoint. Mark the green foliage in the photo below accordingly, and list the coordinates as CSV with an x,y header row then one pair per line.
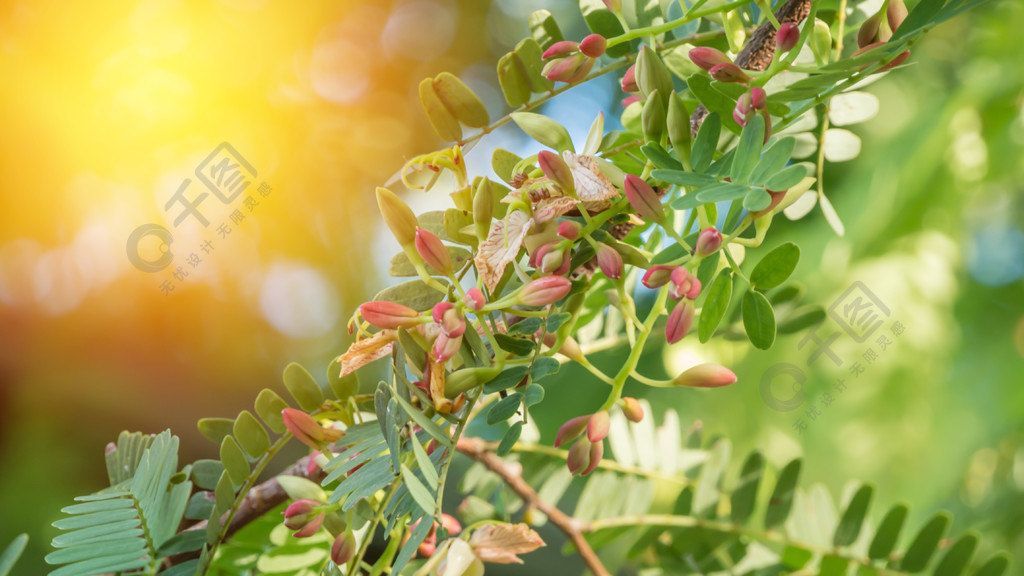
x,y
11,554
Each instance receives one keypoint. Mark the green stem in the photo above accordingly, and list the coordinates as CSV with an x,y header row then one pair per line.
x,y
606,464
672,25
638,348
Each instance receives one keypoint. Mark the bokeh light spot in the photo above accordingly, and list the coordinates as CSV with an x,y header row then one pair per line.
x,y
298,301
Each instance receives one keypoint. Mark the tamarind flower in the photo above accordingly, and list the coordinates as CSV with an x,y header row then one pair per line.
x,y
569,230
555,168
475,299
705,376
709,240
544,291
429,544
366,350
593,45
448,317
398,217
684,284
551,259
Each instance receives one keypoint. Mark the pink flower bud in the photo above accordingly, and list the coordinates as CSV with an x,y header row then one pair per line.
x,y
446,347
559,49
681,281
707,57
787,36
643,199
304,516
709,241
433,252
610,261
544,291
597,426
694,290
729,72
593,46
758,98
551,259
896,12
705,376
579,456
571,430
344,548
570,69
632,409
307,430
555,168
658,276
679,322
596,453
629,80
388,315
475,299
452,323
630,100
568,229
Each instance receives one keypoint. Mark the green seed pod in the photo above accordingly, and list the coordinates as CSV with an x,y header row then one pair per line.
x,y
821,42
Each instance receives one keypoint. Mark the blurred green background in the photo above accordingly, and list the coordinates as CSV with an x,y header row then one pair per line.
x,y
107,109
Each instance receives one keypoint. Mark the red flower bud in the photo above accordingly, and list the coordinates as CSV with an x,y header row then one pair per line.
x,y
679,322
787,36
307,430
709,241
658,276
705,376
559,49
597,426
344,548
632,409
694,290
452,323
475,299
388,315
433,252
629,80
643,199
758,98
896,13
570,69
544,291
304,517
579,456
568,229
446,347
681,281
596,453
593,46
610,261
707,57
571,430
555,168
729,72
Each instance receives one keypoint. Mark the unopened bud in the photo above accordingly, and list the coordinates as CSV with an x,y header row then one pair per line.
x,y
571,430
729,72
709,241
593,46
868,32
658,276
679,322
398,217
304,517
632,409
570,69
896,12
744,109
544,291
568,229
389,315
610,261
694,290
629,80
579,456
307,430
681,280
786,36
432,251
452,323
643,199
475,299
561,48
597,426
344,548
596,453
758,98
821,41
705,376
707,57
555,168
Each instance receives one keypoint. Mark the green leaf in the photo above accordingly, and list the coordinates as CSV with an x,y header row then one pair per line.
x,y
757,199
786,179
996,565
833,565
12,553
661,159
507,379
517,346
544,29
425,465
715,305
959,555
512,79
707,267
234,461
748,151
502,162
419,492
462,102
707,493
122,462
715,101
555,321
251,435
744,497
706,142
409,548
527,326
508,441
773,160
302,387
269,406
543,130
721,192
187,541
775,267
98,552
781,501
414,294
852,519
215,429
923,546
682,178
544,367
533,395
224,494
888,531
392,427
796,558
758,319
601,21
206,473
421,419
441,119
200,506
504,408
802,318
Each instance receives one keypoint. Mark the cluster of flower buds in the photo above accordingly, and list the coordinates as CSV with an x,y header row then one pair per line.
x,y
429,545
305,517
720,66
588,449
879,28
569,61
453,326
307,430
